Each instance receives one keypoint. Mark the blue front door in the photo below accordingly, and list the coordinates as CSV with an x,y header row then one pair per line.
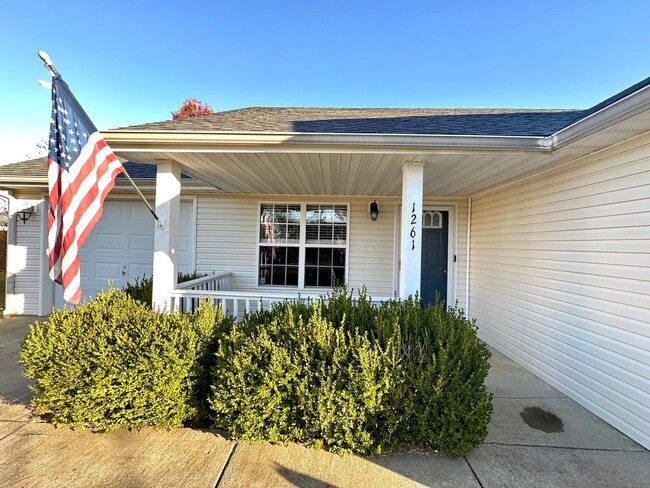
x,y
435,244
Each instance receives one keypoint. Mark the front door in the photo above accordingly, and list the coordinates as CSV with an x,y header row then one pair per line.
x,y
435,248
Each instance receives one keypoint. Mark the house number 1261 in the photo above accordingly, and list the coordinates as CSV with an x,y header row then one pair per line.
x,y
414,219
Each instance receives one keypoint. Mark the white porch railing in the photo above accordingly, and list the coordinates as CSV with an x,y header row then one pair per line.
x,y
234,303
212,282
190,300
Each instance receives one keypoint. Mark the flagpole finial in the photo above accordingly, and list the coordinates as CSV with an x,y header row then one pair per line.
x,y
48,63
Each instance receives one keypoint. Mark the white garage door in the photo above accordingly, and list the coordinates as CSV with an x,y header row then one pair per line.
x,y
120,247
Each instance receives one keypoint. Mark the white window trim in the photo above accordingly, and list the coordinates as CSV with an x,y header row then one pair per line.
x,y
302,246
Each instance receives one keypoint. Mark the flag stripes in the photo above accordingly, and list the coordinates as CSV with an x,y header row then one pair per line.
x,y
77,192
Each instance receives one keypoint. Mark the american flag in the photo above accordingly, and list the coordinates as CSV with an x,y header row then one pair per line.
x,y
81,170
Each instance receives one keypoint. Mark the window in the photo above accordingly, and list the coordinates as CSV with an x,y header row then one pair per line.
x,y
432,220
302,245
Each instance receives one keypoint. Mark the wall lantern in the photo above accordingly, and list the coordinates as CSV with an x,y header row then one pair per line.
x,y
26,213
374,211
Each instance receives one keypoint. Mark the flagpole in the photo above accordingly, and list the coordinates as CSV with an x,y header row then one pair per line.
x,y
158,221
50,67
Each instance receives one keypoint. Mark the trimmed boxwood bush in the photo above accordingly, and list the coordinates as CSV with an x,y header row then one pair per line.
x,y
350,376
113,362
142,288
341,374
301,379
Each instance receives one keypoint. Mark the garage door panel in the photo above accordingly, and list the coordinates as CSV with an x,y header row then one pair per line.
x,y
141,242
85,271
138,271
141,215
112,214
108,242
105,271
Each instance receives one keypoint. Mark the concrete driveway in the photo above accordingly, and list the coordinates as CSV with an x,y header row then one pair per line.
x,y
538,437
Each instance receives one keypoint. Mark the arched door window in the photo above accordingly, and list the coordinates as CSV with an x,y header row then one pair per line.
x,y
431,220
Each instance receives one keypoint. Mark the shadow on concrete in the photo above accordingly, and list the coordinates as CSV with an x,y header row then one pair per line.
x,y
14,387
300,479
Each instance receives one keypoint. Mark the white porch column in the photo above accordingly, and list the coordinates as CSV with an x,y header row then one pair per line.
x,y
411,231
168,193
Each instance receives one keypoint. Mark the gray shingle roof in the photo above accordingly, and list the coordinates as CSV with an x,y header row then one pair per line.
x,y
484,122
440,121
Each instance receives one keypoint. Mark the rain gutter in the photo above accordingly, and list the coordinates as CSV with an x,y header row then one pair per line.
x,y
177,141
613,113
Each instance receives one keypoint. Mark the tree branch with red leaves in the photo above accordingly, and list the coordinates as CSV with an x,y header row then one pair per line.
x,y
192,108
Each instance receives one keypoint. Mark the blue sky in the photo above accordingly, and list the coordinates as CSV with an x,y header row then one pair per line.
x,y
131,62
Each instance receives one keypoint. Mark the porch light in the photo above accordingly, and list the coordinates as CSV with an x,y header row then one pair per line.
x,y
374,211
25,214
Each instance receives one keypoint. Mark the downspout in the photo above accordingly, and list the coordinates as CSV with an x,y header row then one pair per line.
x,y
467,260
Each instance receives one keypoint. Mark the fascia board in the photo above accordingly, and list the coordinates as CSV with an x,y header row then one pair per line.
x,y
618,111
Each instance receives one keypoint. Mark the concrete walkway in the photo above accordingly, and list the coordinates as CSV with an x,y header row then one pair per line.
x,y
538,437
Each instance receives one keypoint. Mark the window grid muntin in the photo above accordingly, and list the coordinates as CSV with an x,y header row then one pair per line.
x,y
278,265
326,224
336,214
279,223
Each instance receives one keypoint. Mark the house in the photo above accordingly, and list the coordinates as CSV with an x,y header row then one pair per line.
x,y
536,222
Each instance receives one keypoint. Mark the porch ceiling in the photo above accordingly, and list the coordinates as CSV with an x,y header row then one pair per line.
x,y
280,165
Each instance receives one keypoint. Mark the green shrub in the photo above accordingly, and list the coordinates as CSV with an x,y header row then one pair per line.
x,y
350,376
142,289
290,379
341,374
440,398
113,362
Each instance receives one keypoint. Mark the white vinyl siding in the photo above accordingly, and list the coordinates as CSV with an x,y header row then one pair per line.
x,y
24,264
372,248
226,241
560,280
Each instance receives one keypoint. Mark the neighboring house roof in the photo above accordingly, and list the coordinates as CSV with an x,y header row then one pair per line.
x,y
37,168
510,122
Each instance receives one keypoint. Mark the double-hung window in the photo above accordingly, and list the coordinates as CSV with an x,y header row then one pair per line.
x,y
302,245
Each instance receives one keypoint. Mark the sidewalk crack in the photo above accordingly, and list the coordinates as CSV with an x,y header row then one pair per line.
x,y
225,465
473,472
13,431
571,448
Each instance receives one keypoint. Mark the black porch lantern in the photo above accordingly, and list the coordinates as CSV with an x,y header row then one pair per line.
x,y
374,211
25,214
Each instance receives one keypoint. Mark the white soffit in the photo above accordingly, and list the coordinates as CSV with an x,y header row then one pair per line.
x,y
374,170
